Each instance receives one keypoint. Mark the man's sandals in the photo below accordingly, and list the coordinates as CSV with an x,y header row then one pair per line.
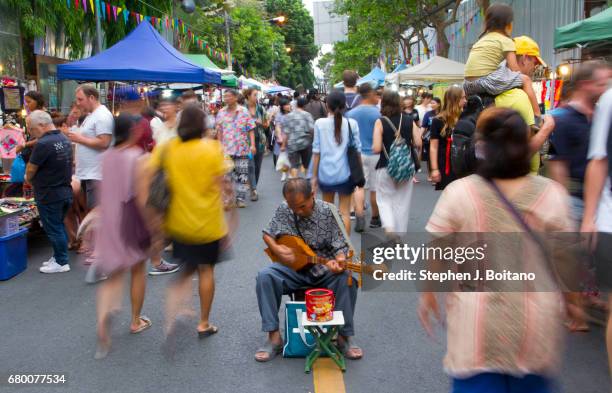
x,y
348,349
270,349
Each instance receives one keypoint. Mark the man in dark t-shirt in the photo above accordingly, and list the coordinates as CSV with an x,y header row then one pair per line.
x,y
50,172
569,141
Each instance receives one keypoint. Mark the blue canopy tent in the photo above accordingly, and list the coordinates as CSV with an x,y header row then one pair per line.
x,y
376,78
277,89
144,56
400,67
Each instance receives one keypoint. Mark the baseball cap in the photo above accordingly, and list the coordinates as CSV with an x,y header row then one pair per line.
x,y
527,46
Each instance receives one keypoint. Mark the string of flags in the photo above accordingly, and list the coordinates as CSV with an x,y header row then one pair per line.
x,y
461,31
112,13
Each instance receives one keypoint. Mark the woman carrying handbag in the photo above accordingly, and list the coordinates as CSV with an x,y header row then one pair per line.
x,y
395,138
336,139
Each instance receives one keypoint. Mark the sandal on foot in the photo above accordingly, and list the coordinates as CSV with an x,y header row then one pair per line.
x,y
146,323
345,346
209,331
271,349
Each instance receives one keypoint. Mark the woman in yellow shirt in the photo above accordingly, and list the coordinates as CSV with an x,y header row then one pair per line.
x,y
195,219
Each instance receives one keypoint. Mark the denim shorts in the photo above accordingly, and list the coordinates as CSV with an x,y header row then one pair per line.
x,y
345,188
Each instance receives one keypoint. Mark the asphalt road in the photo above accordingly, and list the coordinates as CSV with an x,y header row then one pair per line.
x,y
47,325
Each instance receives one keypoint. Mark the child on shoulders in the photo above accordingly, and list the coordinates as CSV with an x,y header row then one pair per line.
x,y
492,67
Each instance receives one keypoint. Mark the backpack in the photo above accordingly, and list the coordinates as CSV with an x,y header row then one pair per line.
x,y
463,151
400,165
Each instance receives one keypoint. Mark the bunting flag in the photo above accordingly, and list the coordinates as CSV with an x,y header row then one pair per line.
x,y
109,12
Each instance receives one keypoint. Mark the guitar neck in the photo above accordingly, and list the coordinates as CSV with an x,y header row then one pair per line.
x,y
354,267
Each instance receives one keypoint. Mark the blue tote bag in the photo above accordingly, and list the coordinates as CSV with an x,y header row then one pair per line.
x,y
298,341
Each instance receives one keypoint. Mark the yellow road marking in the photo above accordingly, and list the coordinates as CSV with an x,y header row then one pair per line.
x,y
327,377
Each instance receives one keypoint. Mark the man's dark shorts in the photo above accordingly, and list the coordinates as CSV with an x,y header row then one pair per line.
x,y
90,189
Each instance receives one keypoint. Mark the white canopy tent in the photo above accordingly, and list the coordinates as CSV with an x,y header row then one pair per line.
x,y
248,82
436,69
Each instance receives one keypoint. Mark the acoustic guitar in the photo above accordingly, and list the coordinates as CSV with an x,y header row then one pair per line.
x,y
306,257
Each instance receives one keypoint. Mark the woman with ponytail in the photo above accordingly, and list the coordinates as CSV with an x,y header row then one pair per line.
x,y
330,171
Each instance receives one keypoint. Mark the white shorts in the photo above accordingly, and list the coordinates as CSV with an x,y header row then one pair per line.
x,y
369,170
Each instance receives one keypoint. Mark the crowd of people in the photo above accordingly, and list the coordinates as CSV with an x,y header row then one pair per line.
x,y
92,170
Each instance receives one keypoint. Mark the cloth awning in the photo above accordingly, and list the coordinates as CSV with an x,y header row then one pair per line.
x,y
228,79
436,69
400,67
594,29
376,77
144,56
276,89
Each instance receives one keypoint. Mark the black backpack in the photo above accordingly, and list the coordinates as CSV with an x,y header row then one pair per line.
x,y
463,150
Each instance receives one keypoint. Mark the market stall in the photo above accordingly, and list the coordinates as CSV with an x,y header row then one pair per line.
x,y
277,89
376,77
436,69
591,32
228,77
144,56
24,209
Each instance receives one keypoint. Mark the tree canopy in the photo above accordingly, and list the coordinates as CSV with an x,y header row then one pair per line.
x,y
258,46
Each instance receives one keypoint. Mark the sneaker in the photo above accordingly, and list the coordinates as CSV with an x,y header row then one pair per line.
x,y
254,196
47,262
54,267
164,268
375,222
360,224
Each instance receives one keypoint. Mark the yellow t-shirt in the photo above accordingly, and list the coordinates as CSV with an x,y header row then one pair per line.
x,y
518,100
487,53
195,214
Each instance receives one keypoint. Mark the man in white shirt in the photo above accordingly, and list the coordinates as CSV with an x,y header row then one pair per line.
x,y
424,106
93,138
597,216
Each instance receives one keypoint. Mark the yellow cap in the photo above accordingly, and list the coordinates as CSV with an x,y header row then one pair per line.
x,y
527,46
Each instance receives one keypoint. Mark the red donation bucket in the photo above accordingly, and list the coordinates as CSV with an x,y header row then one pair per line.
x,y
320,305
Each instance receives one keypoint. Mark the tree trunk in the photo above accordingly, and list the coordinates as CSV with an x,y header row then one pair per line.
x,y
443,45
484,4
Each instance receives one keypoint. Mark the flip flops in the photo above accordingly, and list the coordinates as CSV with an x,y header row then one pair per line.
x,y
271,349
345,345
147,324
209,331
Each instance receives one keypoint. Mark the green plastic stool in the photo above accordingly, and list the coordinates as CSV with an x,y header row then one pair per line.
x,y
323,340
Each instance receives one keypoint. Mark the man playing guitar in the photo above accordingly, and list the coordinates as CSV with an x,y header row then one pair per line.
x,y
312,220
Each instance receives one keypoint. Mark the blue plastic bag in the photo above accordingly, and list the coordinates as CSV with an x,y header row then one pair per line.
x,y
18,170
298,341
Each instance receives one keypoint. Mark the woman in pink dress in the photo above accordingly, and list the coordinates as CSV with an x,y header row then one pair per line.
x,y
116,250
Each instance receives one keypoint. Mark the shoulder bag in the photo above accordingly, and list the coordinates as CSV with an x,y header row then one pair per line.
x,y
159,192
354,160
